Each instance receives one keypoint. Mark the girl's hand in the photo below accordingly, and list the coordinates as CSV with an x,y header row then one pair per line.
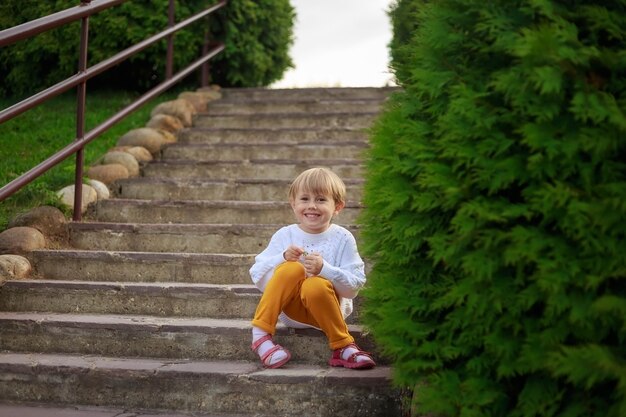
x,y
313,263
293,253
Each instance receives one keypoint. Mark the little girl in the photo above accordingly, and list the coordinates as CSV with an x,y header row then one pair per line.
x,y
309,274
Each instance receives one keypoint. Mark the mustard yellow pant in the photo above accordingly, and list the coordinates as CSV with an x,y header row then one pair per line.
x,y
310,300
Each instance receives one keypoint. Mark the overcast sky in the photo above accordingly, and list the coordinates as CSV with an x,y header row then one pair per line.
x,y
340,43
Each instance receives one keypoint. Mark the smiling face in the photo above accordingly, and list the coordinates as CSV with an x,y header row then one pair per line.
x,y
316,195
314,211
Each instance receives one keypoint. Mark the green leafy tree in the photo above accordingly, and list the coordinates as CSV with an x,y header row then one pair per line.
x,y
257,35
496,208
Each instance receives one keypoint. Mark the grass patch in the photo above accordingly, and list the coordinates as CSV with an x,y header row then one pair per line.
x,y
37,134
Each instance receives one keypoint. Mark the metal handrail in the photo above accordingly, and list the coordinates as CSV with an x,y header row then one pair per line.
x,y
79,80
46,23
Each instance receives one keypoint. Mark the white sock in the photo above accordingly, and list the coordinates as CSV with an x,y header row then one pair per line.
x,y
277,356
349,351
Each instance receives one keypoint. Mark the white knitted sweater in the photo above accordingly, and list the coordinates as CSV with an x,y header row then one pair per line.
x,y
343,265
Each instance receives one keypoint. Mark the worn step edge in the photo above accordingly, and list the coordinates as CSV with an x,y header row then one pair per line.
x,y
288,115
295,100
207,182
146,257
268,144
176,299
180,228
301,120
306,90
253,94
201,211
129,266
213,204
158,324
262,135
157,299
352,149
278,131
234,228
13,361
267,168
142,288
153,336
31,409
277,161
176,237
293,107
224,387
201,182
159,188
192,241
332,130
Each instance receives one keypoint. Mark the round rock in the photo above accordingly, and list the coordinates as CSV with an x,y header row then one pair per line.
x,y
140,153
165,122
21,240
101,188
122,158
147,137
14,267
198,100
50,221
89,195
107,173
180,108
168,137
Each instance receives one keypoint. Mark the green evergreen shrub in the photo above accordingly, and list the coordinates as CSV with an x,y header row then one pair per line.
x,y
496,209
257,35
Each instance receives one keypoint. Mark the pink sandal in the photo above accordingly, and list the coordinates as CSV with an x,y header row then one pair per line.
x,y
267,358
351,362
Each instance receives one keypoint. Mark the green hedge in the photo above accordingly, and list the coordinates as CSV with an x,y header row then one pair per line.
x,y
257,35
496,208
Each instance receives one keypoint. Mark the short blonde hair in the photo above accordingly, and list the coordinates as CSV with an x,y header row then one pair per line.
x,y
319,181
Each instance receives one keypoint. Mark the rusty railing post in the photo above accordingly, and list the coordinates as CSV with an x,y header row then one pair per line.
x,y
81,94
169,59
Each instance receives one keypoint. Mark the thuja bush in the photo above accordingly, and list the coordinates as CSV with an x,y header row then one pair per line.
x,y
495,211
257,35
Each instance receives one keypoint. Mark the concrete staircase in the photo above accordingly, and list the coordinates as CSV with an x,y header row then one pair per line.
x,y
151,308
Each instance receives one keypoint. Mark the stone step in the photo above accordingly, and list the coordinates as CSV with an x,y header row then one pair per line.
x,y
154,299
47,410
145,188
287,120
256,168
144,336
192,386
188,238
261,136
137,267
308,106
338,93
172,299
203,212
252,151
